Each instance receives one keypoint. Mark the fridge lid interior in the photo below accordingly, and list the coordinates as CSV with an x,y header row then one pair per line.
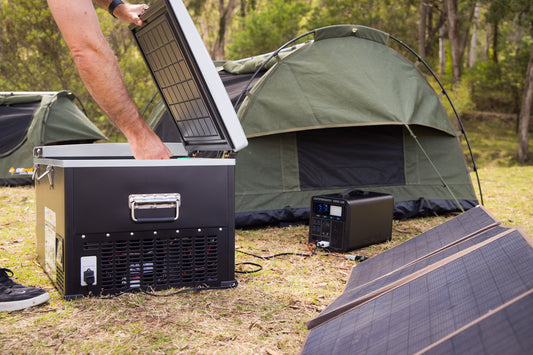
x,y
187,79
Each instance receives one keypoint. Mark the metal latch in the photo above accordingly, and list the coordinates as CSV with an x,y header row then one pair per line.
x,y
155,201
49,171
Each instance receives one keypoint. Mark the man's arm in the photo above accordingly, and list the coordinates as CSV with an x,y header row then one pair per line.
x,y
99,70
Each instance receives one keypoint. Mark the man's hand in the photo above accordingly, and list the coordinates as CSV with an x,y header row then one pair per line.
x,y
147,145
130,13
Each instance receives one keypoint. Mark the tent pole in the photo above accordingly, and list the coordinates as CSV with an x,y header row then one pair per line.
x,y
275,53
463,131
150,102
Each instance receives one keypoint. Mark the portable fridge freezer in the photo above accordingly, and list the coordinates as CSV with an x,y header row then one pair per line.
x,y
112,225
107,223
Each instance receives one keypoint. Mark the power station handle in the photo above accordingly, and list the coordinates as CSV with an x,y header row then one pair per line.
x,y
138,202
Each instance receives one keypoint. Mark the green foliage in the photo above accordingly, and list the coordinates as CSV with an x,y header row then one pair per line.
x,y
195,6
493,139
460,96
497,11
524,9
499,86
268,28
34,57
398,18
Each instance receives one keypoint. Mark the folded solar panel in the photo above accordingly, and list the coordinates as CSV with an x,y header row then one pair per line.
x,y
355,294
461,227
427,301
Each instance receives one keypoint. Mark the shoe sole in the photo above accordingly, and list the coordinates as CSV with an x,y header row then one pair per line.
x,y
23,304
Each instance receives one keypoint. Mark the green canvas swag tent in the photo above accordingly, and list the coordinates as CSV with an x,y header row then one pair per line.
x,y
28,120
342,112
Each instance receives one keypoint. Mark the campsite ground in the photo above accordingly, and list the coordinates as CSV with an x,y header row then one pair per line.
x,y
265,314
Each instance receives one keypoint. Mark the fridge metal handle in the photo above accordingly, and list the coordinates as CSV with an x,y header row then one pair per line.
x,y
155,201
49,171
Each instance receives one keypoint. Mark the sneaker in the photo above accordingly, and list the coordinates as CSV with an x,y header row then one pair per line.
x,y
14,296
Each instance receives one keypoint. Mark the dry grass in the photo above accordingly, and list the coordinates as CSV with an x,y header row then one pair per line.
x,y
265,314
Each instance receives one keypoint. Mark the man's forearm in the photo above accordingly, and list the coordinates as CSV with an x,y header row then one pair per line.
x,y
96,63
99,71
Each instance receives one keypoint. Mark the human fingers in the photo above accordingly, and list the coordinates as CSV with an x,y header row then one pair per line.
x,y
131,13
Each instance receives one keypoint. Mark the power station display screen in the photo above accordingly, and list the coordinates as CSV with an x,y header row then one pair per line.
x,y
336,211
328,210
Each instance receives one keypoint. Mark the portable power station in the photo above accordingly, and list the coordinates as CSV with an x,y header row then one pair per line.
x,y
350,220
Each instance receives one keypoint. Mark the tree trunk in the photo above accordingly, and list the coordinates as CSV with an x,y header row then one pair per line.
x,y
518,32
442,50
486,46
454,38
525,110
422,28
457,42
495,36
226,15
473,42
432,29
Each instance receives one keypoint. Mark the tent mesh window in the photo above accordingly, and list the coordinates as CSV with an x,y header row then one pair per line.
x,y
15,120
348,164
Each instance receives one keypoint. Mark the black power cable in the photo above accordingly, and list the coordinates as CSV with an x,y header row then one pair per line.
x,y
258,266
357,258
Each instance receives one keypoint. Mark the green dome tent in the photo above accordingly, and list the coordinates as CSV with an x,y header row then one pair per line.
x,y
33,119
344,111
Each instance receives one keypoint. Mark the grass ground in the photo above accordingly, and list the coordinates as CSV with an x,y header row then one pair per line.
x,y
265,314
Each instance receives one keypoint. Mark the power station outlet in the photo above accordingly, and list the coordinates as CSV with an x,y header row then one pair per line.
x,y
88,270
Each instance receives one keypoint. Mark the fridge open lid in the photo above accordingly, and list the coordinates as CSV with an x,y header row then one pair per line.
x,y
187,79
